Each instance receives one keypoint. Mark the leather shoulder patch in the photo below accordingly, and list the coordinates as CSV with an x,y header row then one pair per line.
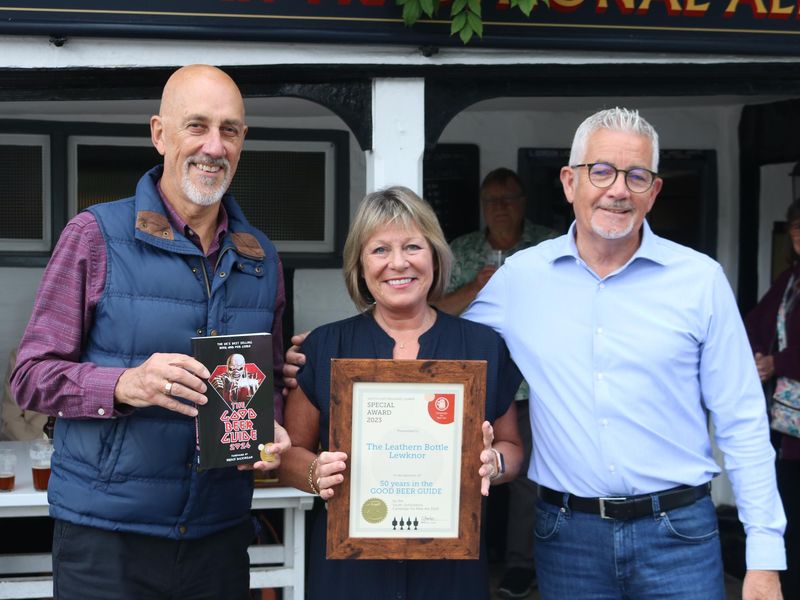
x,y
155,224
248,245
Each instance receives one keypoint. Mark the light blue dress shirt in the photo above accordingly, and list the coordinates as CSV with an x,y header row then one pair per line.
x,y
625,370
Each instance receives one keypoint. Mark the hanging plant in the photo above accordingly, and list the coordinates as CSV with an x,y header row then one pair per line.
x,y
465,15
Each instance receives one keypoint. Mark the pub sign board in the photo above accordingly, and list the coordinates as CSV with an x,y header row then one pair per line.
x,y
705,26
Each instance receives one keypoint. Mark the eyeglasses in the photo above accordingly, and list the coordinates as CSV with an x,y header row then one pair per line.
x,y
602,175
504,200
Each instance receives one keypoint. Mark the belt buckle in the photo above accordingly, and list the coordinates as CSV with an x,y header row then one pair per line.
x,y
603,501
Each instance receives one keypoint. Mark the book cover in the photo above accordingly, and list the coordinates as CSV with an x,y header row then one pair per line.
x,y
237,421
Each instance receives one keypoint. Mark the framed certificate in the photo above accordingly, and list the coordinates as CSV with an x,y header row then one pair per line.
x,y
412,433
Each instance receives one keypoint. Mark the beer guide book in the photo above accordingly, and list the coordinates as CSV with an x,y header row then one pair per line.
x,y
237,421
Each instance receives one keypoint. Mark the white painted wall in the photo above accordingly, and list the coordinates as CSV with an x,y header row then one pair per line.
x,y
320,297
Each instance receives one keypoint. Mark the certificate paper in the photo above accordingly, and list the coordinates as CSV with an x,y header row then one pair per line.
x,y
406,460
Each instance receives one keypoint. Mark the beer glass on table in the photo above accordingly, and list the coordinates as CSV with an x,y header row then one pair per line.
x,y
40,453
8,469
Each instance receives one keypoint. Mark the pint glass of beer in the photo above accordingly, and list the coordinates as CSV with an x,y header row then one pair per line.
x,y
8,469
41,451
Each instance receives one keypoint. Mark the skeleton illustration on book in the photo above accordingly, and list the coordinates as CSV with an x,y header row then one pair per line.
x,y
237,383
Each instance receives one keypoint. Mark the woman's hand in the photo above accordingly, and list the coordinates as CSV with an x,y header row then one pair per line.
x,y
328,472
271,453
489,469
765,365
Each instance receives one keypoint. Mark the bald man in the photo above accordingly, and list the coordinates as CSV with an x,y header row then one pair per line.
x,y
107,352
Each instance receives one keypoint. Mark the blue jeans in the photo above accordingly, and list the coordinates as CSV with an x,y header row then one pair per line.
x,y
669,555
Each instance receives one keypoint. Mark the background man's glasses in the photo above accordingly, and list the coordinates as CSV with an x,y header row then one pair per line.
x,y
603,176
504,200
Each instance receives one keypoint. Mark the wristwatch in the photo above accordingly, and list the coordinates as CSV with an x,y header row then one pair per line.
x,y
501,464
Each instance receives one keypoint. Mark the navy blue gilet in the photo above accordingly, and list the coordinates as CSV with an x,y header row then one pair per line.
x,y
138,472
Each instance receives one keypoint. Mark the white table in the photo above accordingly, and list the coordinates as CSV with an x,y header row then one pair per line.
x,y
271,566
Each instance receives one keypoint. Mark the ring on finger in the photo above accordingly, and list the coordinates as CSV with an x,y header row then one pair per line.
x,y
168,387
319,487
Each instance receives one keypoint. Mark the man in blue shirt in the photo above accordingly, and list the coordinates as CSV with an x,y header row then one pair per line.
x,y
629,345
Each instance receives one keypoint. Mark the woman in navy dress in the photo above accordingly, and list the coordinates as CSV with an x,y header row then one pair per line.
x,y
396,261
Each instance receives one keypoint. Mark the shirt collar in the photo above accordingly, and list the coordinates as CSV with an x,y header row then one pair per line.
x,y
650,247
180,225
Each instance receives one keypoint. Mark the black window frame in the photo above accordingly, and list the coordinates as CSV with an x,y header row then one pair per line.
x,y
60,132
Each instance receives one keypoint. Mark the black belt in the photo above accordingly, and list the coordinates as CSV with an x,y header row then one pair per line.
x,y
627,507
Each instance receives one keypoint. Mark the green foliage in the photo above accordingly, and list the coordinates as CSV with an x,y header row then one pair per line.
x,y
465,15
526,6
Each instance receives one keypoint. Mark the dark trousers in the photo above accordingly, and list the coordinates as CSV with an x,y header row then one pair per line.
x,y
90,563
789,487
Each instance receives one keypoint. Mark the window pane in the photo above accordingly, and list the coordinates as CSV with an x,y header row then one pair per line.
x,y
284,188
283,193
108,173
21,193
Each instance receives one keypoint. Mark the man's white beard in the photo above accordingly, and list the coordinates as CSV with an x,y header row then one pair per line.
x,y
612,234
205,197
615,234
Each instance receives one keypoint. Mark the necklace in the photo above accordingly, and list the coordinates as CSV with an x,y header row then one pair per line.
x,y
421,329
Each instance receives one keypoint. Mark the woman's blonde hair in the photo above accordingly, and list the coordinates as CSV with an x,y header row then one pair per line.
x,y
400,206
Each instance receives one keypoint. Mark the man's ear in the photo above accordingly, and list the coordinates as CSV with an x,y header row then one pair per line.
x,y
654,192
568,182
157,133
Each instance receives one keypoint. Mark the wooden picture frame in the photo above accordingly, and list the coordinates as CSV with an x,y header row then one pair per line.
x,y
391,376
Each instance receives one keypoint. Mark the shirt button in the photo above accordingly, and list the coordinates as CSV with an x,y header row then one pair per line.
x,y
604,422
602,286
599,331
612,468
199,332
257,269
182,529
194,269
101,411
599,377
213,332
222,273
61,413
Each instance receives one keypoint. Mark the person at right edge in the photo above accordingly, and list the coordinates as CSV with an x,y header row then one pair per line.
x,y
773,327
